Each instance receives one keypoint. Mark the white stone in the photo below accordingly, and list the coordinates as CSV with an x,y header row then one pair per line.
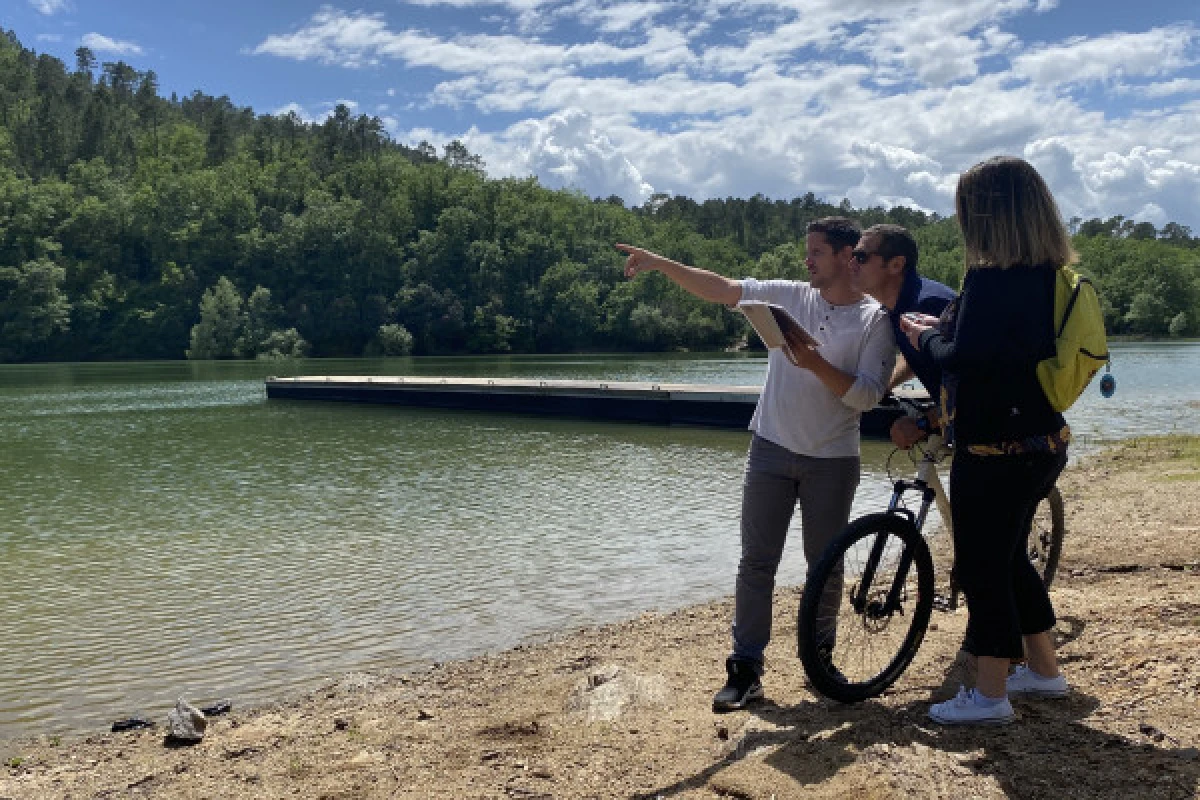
x,y
610,691
185,722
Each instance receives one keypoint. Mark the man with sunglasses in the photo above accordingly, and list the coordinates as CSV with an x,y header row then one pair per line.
x,y
885,267
805,448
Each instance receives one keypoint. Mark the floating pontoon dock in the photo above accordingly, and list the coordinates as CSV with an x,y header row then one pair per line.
x,y
658,403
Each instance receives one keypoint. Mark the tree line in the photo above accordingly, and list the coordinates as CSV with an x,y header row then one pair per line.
x,y
137,226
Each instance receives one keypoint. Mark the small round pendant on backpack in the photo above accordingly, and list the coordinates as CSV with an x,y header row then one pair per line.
x,y
1108,385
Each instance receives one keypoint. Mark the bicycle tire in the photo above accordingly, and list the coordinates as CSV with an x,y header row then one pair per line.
x,y
1046,537
849,671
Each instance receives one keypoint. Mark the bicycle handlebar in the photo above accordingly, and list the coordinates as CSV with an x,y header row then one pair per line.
x,y
918,405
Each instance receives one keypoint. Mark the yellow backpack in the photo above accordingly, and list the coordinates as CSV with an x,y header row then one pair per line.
x,y
1081,345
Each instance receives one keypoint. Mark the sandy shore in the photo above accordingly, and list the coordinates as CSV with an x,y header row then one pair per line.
x,y
624,710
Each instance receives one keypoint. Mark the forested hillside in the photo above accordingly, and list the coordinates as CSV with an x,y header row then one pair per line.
x,y
134,226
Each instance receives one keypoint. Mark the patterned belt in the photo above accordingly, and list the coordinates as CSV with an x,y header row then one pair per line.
x,y
1049,443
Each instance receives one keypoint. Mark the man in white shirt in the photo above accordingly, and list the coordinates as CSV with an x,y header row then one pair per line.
x,y
805,448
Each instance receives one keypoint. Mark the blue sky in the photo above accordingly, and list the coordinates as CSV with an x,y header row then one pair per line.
x,y
880,102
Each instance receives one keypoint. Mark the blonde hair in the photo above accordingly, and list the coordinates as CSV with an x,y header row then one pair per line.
x,y
1008,217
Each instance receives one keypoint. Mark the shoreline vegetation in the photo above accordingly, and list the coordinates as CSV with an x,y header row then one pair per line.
x,y
137,226
622,710
1137,337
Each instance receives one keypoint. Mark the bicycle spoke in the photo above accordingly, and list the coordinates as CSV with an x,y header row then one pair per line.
x,y
864,635
867,641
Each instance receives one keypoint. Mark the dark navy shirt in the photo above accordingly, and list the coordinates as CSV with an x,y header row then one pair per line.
x,y
924,296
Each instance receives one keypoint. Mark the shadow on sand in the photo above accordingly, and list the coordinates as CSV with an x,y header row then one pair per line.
x,y
1048,752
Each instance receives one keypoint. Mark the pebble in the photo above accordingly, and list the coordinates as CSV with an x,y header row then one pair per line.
x,y
217,708
185,722
133,723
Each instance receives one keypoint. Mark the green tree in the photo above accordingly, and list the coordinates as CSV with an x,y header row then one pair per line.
x,y
283,344
391,340
221,324
1179,324
260,319
435,318
85,62
33,308
1148,313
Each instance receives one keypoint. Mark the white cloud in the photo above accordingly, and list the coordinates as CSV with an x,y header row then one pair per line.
x,y
619,16
566,150
49,7
1151,212
391,125
102,44
1099,176
358,39
530,15
1117,55
884,103
1161,89
294,108
512,5
331,37
943,45
1145,176
49,37
322,112
887,169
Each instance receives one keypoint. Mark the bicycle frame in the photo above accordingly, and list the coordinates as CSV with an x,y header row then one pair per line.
x,y
886,576
927,481
929,485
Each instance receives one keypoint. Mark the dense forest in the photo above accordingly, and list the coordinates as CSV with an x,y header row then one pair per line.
x,y
135,226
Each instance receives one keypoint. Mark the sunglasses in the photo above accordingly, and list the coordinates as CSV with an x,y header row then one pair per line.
x,y
862,256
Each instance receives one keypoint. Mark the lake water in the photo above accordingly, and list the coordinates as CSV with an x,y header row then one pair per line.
x,y
165,530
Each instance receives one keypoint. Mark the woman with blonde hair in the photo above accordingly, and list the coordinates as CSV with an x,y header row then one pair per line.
x,y
1010,445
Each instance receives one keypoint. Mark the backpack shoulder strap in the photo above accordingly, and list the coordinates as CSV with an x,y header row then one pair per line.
x,y
1074,282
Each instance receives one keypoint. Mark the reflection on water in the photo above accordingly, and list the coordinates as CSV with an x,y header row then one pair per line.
x,y
167,531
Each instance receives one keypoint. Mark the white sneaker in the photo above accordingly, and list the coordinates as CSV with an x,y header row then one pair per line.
x,y
964,709
1024,682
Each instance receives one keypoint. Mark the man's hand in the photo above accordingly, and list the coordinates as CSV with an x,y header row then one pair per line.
x,y
914,324
639,260
905,432
902,372
799,352
700,282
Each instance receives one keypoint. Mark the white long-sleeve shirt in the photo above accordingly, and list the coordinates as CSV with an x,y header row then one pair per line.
x,y
795,409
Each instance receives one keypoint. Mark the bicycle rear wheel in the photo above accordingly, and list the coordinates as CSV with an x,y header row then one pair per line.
x,y
865,608
1046,536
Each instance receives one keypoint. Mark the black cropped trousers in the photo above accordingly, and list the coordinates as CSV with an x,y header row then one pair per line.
x,y
993,502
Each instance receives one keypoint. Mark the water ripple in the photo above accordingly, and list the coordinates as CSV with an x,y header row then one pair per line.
x,y
166,531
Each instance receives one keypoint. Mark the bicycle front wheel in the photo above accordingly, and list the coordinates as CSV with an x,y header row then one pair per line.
x,y
865,608
1046,536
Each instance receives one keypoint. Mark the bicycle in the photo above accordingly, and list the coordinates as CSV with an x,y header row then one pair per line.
x,y
855,644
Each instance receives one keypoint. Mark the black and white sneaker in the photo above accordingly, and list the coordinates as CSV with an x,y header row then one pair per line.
x,y
742,687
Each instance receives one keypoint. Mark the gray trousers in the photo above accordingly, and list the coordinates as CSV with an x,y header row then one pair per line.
x,y
776,480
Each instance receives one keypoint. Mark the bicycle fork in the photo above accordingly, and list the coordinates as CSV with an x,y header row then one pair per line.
x,y
892,603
